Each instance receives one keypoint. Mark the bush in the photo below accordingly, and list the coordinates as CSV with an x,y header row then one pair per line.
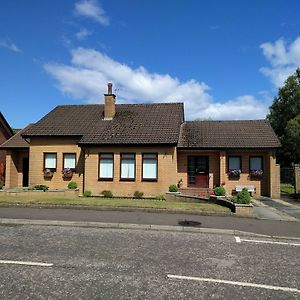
x,y
72,185
41,187
1,184
173,188
160,197
138,194
87,194
107,194
243,197
220,191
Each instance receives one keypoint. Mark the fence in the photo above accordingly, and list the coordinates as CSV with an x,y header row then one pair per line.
x,y
287,175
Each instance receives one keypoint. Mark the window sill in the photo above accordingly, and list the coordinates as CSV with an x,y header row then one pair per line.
x,y
149,180
127,179
105,179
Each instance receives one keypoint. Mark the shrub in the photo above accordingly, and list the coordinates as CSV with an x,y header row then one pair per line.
x,y
160,197
138,194
41,187
220,191
107,194
87,194
1,184
72,185
243,197
173,188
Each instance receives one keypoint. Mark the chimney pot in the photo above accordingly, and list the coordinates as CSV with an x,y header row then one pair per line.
x,y
109,88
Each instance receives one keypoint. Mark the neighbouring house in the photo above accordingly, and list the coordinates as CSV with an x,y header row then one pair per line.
x,y
147,147
5,133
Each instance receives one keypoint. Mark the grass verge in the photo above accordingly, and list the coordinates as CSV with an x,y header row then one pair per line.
x,y
111,202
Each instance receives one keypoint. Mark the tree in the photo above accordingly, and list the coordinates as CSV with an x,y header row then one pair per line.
x,y
285,116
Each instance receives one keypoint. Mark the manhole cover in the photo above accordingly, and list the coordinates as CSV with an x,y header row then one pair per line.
x,y
189,223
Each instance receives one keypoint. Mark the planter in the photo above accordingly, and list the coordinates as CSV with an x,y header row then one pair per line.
x,y
48,175
233,177
255,177
68,175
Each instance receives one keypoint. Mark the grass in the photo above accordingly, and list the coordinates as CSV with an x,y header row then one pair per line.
x,y
287,188
111,202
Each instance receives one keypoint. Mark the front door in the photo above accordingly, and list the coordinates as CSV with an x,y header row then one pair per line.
x,y
25,171
198,171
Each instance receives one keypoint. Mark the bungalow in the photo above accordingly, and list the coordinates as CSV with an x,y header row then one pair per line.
x,y
147,147
5,133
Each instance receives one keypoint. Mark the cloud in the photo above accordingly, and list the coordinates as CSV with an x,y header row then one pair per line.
x,y
10,46
93,10
87,75
83,33
284,59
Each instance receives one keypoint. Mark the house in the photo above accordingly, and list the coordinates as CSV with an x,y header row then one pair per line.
x,y
5,133
145,147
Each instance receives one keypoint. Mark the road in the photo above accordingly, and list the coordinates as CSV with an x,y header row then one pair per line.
x,y
269,227
90,263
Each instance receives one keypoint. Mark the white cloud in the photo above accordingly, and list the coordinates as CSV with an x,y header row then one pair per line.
x,y
10,46
93,10
83,33
284,59
87,76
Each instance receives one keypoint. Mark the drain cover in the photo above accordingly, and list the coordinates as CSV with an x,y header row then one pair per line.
x,y
189,223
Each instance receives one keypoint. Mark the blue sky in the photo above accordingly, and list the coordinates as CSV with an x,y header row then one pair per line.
x,y
223,59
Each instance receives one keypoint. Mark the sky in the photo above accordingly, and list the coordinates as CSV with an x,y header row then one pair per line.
x,y
223,59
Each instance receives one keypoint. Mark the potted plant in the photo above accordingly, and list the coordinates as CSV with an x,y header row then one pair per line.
x,y
256,174
234,173
67,173
48,173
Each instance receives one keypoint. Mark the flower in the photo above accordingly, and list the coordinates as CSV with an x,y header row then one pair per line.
x,y
256,172
47,171
234,172
66,171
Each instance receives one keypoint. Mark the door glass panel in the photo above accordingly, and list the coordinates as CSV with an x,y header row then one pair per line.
x,y
197,165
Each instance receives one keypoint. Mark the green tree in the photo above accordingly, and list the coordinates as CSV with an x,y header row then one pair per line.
x,y
284,117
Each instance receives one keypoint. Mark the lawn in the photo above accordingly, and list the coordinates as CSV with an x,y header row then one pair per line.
x,y
287,188
110,202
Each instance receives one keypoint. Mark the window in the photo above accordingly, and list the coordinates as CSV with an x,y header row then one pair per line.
x,y
234,163
128,166
69,161
106,166
149,171
256,163
50,161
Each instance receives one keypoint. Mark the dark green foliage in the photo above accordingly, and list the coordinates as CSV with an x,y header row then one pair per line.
x,y
242,197
41,187
72,185
138,194
1,184
87,194
107,194
160,197
219,191
285,118
173,188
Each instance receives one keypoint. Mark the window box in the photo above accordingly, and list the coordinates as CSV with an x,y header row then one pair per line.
x,y
48,173
67,173
234,174
256,174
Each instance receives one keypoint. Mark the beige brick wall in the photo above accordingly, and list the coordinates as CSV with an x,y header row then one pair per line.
x,y
166,171
214,166
38,146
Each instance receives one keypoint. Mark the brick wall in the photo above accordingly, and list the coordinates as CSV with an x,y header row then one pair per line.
x,y
167,163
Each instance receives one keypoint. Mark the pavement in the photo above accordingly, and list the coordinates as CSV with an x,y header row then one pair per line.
x,y
46,262
259,226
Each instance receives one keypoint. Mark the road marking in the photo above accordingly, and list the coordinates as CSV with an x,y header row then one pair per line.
x,y
239,240
246,284
27,263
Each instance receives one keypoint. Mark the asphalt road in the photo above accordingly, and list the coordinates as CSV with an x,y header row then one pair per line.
x,y
269,227
91,263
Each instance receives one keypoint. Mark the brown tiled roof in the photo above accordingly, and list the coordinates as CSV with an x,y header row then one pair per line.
x,y
132,124
7,131
228,134
16,141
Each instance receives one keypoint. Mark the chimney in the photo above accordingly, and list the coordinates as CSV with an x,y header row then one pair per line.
x,y
109,104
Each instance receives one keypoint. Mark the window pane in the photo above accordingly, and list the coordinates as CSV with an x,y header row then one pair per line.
x,y
255,163
234,163
70,161
107,155
150,155
149,168
50,160
127,168
106,168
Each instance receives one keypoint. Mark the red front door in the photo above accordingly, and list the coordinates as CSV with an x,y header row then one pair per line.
x,y
198,171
